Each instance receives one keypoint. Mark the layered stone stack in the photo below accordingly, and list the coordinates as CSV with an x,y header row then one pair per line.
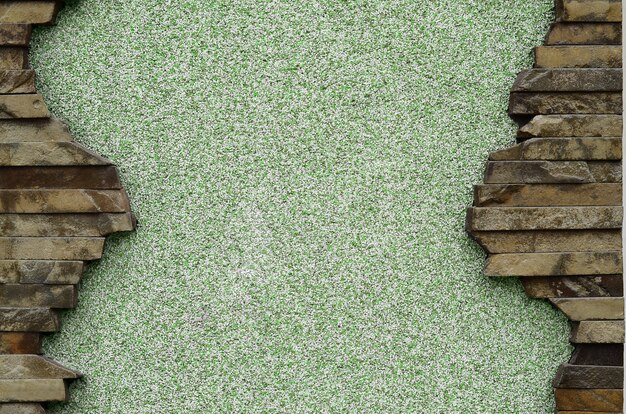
x,y
550,210
58,201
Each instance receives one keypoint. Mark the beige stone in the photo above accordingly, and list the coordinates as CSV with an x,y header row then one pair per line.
x,y
578,57
41,271
32,130
584,34
33,390
30,12
14,34
549,241
10,408
583,309
554,264
51,248
33,367
589,11
573,286
551,172
23,106
539,195
562,149
569,80
17,81
598,332
13,57
38,296
64,201
64,225
48,153
549,103
572,126
28,320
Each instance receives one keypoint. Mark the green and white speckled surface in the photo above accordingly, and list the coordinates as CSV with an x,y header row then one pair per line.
x,y
300,171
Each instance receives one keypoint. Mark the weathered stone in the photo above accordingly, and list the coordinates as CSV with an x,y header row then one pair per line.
x,y
573,286
589,400
64,225
562,149
41,271
549,241
65,201
38,296
48,153
20,343
33,390
17,81
598,332
589,376
554,264
589,10
95,178
29,12
13,58
23,106
543,218
15,34
578,57
551,172
550,103
584,34
33,130
572,126
583,309
538,195
33,367
9,408
569,80
28,320
598,354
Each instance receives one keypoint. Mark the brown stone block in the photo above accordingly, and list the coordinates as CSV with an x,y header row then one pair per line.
x,y
23,106
554,264
598,332
33,367
15,34
28,320
64,225
38,296
95,178
549,241
33,130
598,354
64,201
578,57
33,390
20,343
13,57
550,103
540,195
569,80
589,400
582,309
573,286
48,153
17,81
584,34
562,149
9,408
589,10
551,172
589,377
41,271
28,12
572,126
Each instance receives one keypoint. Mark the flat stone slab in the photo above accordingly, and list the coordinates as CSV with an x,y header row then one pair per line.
x,y
20,343
572,126
38,296
589,400
48,153
584,34
582,309
41,271
91,178
551,172
28,320
28,12
549,241
17,81
562,149
578,57
33,130
9,408
33,367
13,58
540,195
554,264
65,201
589,377
598,332
569,80
23,106
573,286
65,225
33,390
589,11
550,103
598,354
15,34
543,218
